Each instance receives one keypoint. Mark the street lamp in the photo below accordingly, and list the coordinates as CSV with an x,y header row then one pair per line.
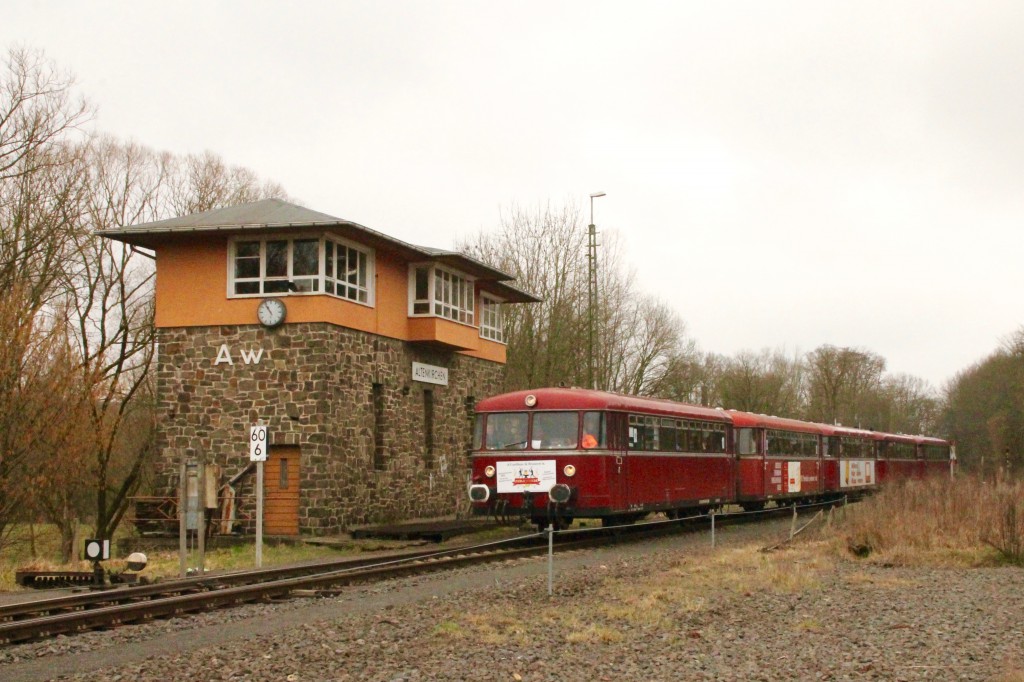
x,y
592,339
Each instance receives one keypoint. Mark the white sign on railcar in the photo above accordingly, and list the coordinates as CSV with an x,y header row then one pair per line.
x,y
258,443
855,473
531,476
431,374
793,477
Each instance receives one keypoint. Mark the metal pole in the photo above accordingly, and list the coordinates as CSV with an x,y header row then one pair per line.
x,y
182,533
792,526
593,340
712,529
201,529
259,514
551,557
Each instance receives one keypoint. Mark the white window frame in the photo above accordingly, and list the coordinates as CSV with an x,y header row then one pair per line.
x,y
457,290
320,276
492,321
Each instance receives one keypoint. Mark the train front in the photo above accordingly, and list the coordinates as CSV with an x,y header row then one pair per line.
x,y
530,454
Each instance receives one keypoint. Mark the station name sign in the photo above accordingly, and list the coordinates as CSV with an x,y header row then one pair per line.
x,y
431,374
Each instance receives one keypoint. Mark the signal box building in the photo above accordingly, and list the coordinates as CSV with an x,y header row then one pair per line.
x,y
363,354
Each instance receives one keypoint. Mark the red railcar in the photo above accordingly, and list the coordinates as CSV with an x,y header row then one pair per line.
x,y
898,458
938,457
554,454
777,459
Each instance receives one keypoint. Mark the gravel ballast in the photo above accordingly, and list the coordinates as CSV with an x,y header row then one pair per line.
x,y
670,609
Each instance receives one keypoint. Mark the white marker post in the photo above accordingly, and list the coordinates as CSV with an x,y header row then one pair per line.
x,y
258,445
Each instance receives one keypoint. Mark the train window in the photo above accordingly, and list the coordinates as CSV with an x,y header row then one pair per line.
x,y
712,437
650,433
636,432
856,448
746,442
559,430
478,432
595,432
506,431
792,443
667,435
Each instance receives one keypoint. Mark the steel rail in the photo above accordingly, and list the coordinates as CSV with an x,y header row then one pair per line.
x,y
80,613
203,583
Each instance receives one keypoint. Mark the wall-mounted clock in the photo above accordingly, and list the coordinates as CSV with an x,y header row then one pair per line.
x,y
271,312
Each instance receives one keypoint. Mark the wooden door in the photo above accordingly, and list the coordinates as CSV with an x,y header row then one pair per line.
x,y
281,491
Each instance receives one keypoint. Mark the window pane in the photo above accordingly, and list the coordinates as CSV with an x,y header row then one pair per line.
x,y
506,431
478,432
247,249
557,430
594,431
247,287
746,444
277,259
422,284
246,268
353,267
304,285
279,286
329,259
306,257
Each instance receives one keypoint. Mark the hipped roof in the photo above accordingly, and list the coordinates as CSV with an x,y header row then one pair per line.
x,y
276,215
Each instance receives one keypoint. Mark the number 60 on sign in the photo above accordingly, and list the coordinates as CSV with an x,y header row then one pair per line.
x,y
258,443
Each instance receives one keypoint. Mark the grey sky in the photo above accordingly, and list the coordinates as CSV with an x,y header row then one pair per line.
x,y
781,173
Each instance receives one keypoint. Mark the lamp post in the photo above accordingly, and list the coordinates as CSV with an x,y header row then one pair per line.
x,y
592,340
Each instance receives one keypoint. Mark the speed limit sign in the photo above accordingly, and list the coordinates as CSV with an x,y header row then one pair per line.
x,y
258,443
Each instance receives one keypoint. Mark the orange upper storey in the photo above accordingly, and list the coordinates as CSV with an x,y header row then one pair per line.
x,y
192,290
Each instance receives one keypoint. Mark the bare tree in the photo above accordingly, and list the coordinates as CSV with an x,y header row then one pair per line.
x,y
768,382
39,193
545,251
841,383
201,182
37,109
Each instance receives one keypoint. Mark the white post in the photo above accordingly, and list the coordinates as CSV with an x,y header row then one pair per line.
x,y
259,514
259,444
551,557
201,530
182,532
712,529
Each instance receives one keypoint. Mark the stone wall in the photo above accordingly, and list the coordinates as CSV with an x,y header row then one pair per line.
x,y
313,385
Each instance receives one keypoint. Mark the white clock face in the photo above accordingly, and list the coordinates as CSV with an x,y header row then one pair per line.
x,y
271,312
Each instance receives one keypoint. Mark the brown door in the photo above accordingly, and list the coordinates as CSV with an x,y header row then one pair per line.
x,y
281,491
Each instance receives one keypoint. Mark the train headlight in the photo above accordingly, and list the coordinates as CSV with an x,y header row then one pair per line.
x,y
479,493
560,493
569,471
489,471
531,400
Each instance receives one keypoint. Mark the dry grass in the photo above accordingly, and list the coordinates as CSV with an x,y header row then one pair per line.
x,y
17,556
937,522
639,600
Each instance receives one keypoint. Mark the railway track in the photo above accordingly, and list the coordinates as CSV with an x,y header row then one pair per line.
x,y
41,619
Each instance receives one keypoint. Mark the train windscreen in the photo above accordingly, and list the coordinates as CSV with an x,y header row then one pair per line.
x,y
506,431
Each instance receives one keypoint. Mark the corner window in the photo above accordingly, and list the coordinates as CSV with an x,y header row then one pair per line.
x,y
434,290
491,326
306,265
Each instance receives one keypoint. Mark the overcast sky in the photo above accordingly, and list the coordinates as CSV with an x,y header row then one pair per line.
x,y
782,174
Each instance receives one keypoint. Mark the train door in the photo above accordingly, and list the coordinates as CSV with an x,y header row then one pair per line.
x,y
751,466
616,465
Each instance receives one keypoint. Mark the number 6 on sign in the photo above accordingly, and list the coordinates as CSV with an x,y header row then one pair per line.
x,y
258,443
